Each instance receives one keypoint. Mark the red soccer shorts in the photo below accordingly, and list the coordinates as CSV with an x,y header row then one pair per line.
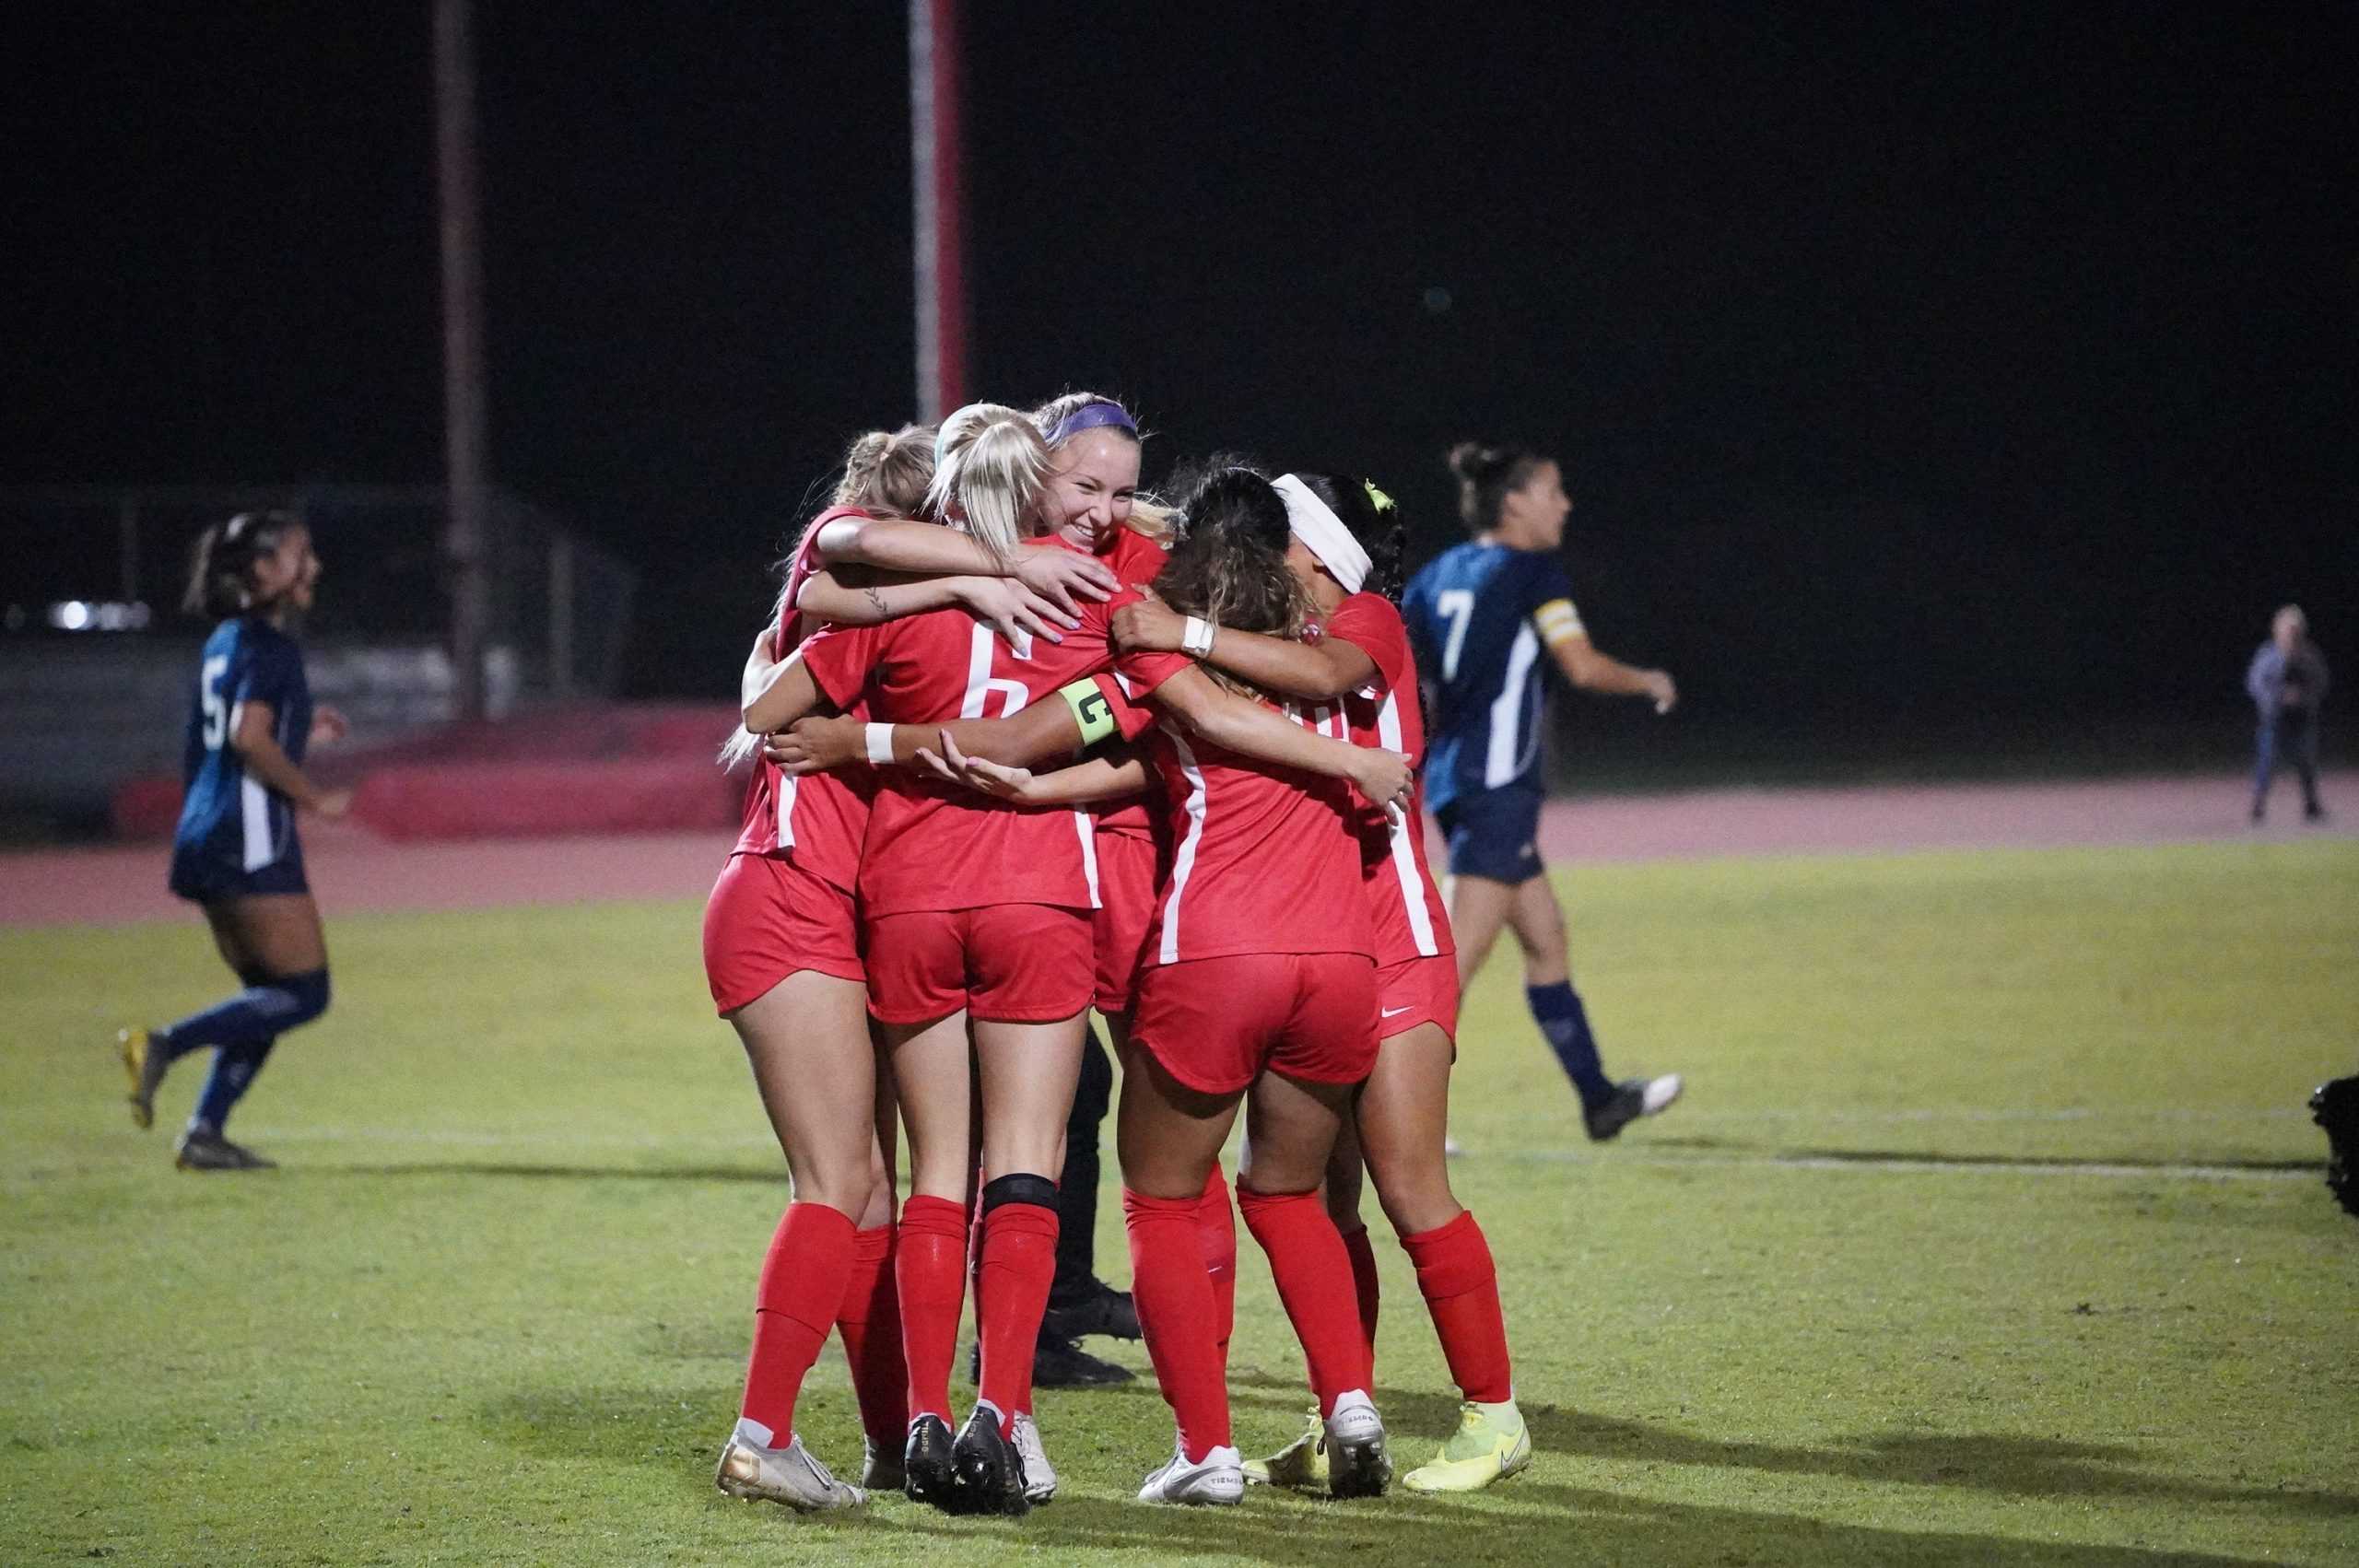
x,y
1003,963
1217,1023
768,918
1126,866
1418,990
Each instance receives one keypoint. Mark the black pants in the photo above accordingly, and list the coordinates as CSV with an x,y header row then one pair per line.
x,y
1077,1185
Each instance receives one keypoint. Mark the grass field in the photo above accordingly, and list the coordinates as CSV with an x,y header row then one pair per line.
x,y
1990,1232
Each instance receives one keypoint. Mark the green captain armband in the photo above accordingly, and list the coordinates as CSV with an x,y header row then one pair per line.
x,y
1090,711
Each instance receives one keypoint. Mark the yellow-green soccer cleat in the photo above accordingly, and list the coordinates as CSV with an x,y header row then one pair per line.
x,y
1301,1463
1491,1443
144,1066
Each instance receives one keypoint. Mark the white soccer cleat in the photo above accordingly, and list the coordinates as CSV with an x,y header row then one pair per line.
x,y
1217,1479
880,1466
788,1475
1357,1465
1040,1476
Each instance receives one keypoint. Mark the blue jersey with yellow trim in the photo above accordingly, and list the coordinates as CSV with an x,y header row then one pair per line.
x,y
1472,616
227,816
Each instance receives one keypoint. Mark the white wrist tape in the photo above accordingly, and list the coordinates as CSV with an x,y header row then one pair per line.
x,y
880,743
1196,638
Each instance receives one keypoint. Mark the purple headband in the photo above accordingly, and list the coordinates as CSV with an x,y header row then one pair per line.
x,y
1090,416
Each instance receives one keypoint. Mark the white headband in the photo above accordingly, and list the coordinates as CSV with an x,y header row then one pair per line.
x,y
1316,524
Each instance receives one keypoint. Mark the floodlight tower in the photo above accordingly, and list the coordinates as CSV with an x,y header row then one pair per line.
x,y
938,208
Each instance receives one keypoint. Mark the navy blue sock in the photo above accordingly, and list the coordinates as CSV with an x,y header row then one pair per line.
x,y
255,1016
233,1072
1557,1010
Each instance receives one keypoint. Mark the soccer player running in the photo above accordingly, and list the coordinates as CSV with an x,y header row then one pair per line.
x,y
781,947
1479,616
1347,549
236,853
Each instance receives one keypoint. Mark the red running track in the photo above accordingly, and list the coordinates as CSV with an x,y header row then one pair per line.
x,y
352,868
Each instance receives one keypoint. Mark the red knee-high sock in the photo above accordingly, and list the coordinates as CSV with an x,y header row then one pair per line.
x,y
1462,1290
1179,1316
1216,1238
801,1285
1361,1253
929,1276
1012,1290
869,1321
1314,1279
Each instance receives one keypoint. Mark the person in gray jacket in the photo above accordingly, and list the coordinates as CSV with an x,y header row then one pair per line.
x,y
2288,681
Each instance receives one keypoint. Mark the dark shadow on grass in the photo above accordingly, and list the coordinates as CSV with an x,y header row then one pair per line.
x,y
2001,1162
2006,1463
1575,1526
770,1175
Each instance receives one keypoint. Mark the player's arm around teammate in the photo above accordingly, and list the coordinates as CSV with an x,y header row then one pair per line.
x,y
236,853
782,948
1347,551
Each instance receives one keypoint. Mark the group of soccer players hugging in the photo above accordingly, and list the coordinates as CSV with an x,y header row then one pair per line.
x,y
1028,742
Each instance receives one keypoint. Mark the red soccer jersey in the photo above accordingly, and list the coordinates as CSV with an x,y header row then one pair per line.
x,y
1261,861
933,845
1138,561
819,820
1411,922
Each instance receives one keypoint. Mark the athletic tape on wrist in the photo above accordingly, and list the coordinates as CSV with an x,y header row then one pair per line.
x,y
1196,638
880,743
1090,711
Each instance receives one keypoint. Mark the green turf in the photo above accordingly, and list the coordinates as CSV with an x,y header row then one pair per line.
x,y
1916,1273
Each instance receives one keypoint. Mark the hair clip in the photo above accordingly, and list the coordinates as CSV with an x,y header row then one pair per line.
x,y
1376,497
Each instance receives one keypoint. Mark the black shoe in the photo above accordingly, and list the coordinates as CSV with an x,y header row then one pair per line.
x,y
1061,1364
2313,812
2335,1106
1633,1098
928,1474
1104,1310
990,1471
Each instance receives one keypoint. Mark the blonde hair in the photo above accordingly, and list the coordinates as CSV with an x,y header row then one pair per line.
x,y
992,467
886,471
1149,517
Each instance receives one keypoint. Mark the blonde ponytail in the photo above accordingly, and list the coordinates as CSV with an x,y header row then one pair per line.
x,y
991,473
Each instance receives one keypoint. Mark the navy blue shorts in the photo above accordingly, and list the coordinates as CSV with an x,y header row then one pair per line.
x,y
207,876
1494,834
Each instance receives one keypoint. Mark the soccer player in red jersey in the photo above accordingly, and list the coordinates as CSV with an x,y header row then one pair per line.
x,y
1257,985
781,956
1346,551
1094,503
977,912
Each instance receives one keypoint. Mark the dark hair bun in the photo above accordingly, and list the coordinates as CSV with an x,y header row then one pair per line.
x,y
1479,464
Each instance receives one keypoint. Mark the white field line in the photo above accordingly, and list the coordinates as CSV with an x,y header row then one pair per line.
x,y
1924,1164
1928,1165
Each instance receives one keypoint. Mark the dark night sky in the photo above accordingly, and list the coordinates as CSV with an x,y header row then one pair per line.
x,y
1955,359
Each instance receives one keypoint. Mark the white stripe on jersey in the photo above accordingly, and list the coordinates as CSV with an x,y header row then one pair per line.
x,y
1184,862
1404,859
1088,831
783,802
1505,759
253,803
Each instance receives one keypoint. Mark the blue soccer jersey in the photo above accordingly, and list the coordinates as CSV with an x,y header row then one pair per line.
x,y
1479,615
233,824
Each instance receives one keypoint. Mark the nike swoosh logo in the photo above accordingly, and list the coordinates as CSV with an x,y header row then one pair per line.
x,y
1392,1012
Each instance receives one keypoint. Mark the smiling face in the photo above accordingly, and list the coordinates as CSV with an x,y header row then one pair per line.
x,y
1090,486
286,578
1533,513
